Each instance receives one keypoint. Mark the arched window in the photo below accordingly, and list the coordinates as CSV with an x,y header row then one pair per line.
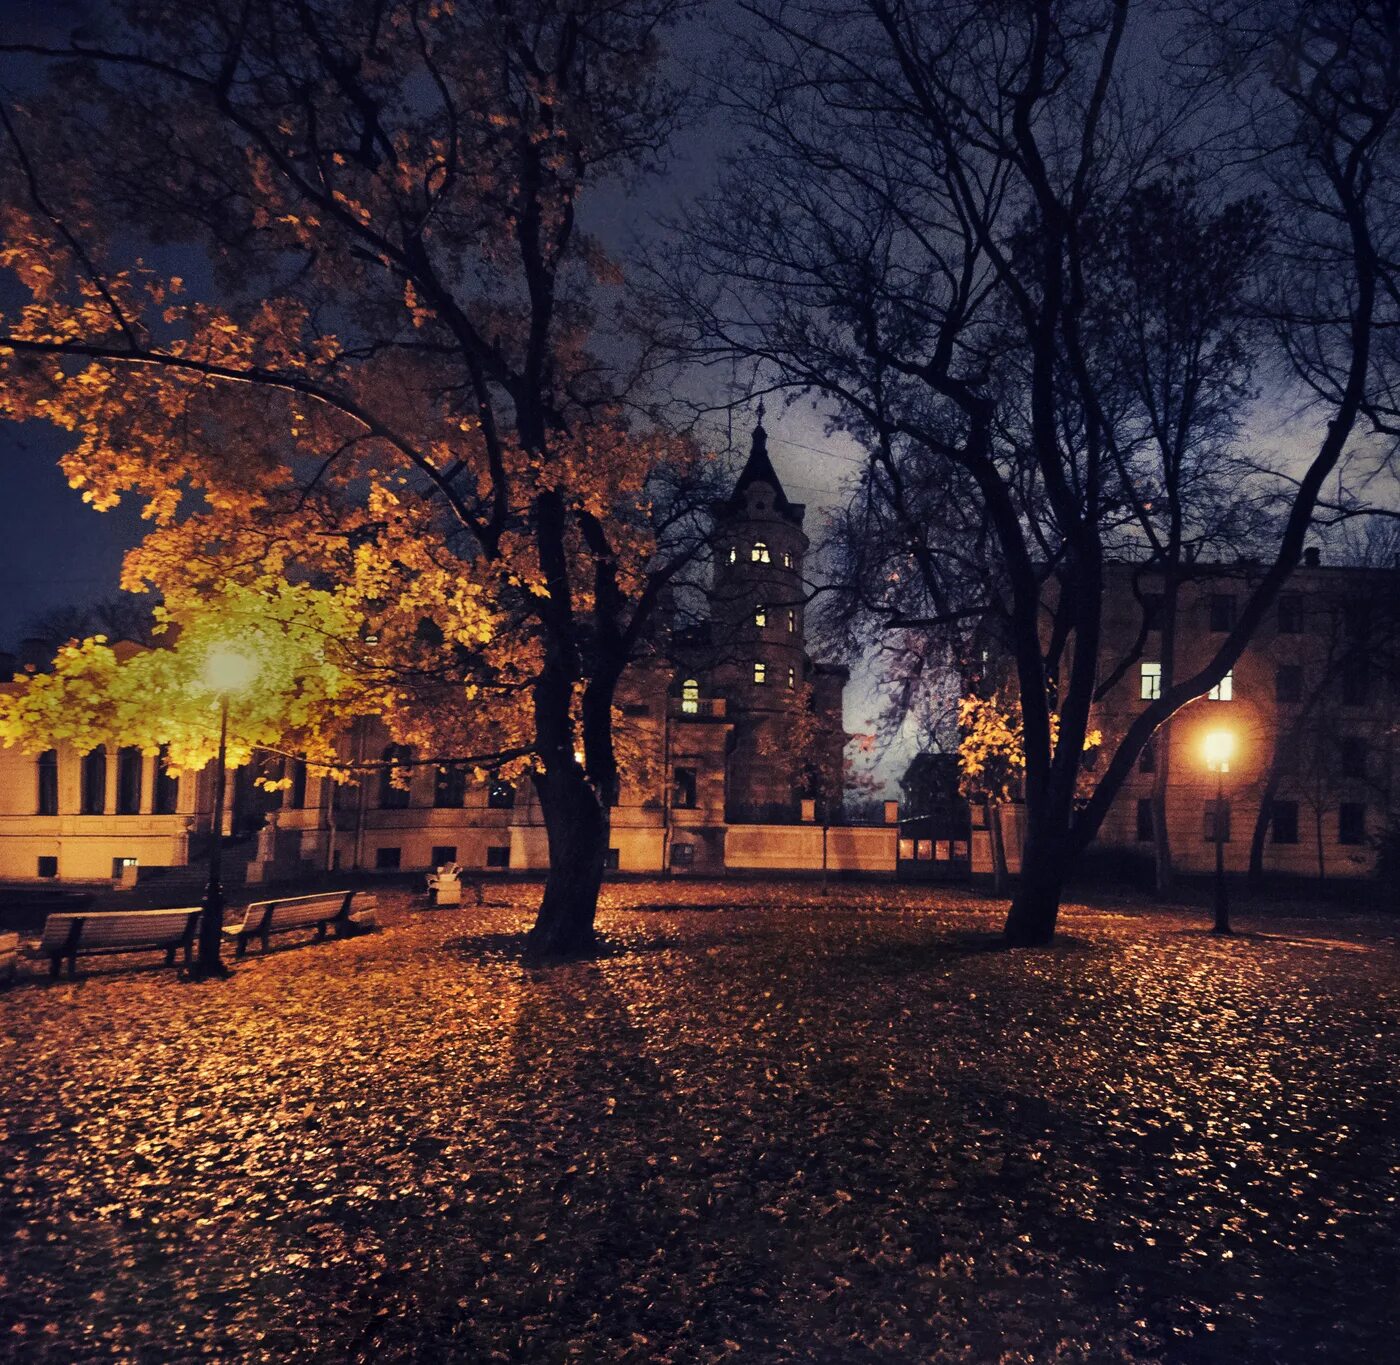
x,y
128,780
47,767
760,615
733,553
690,696
167,793
787,559
94,783
792,676
760,553
393,797
792,620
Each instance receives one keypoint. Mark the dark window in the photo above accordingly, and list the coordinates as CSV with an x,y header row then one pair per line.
x,y
94,794
48,865
1147,759
1283,821
682,855
1144,819
1152,610
1354,753
1288,683
613,861
636,708
1290,614
500,796
683,789
296,793
386,859
444,853
1351,823
449,787
128,781
166,798
498,855
1356,619
1209,824
392,797
1222,612
1356,684
47,765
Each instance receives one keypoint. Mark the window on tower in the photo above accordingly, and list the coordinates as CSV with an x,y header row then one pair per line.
x,y
760,553
733,553
760,673
792,676
690,696
760,615
792,620
787,559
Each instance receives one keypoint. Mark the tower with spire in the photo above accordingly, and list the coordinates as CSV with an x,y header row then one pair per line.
x,y
758,652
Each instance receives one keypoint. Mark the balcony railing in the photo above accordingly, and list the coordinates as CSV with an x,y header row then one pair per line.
x,y
698,708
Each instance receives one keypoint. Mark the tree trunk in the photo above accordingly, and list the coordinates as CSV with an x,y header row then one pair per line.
x,y
1257,840
577,826
998,848
1036,905
1161,835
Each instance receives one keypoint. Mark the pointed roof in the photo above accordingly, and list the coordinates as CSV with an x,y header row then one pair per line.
x,y
759,469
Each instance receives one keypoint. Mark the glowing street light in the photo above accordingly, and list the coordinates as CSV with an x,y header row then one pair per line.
x,y
1218,749
227,670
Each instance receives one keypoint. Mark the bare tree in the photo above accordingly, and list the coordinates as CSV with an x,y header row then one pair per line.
x,y
918,238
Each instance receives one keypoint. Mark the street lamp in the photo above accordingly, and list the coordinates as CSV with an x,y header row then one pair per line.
x,y
227,670
1219,749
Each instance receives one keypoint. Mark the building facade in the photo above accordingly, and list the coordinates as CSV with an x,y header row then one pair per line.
x,y
1312,708
740,738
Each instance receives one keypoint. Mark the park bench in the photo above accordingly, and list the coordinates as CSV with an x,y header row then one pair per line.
x,y
345,911
117,931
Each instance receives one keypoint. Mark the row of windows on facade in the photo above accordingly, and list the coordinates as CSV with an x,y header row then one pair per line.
x,y
759,554
92,785
1353,754
449,785
1288,685
389,858
1283,821
1288,614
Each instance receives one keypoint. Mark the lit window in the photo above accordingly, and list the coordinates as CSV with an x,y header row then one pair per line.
x,y
792,676
760,553
787,559
733,553
760,673
1151,685
792,620
690,696
760,615
1224,690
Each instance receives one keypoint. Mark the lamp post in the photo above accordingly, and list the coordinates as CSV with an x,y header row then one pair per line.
x,y
1219,749
226,670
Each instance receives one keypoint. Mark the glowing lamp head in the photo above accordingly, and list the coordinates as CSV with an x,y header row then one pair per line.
x,y
1219,749
228,669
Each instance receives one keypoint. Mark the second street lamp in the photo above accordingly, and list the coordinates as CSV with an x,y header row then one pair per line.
x,y
226,670
1219,750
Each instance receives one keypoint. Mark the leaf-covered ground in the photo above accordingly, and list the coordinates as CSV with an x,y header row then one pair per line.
x,y
768,1127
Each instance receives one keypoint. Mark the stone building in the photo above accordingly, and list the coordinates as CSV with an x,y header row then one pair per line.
x,y
722,783
1313,706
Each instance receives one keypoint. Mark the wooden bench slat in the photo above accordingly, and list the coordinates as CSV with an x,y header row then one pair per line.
x,y
67,935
